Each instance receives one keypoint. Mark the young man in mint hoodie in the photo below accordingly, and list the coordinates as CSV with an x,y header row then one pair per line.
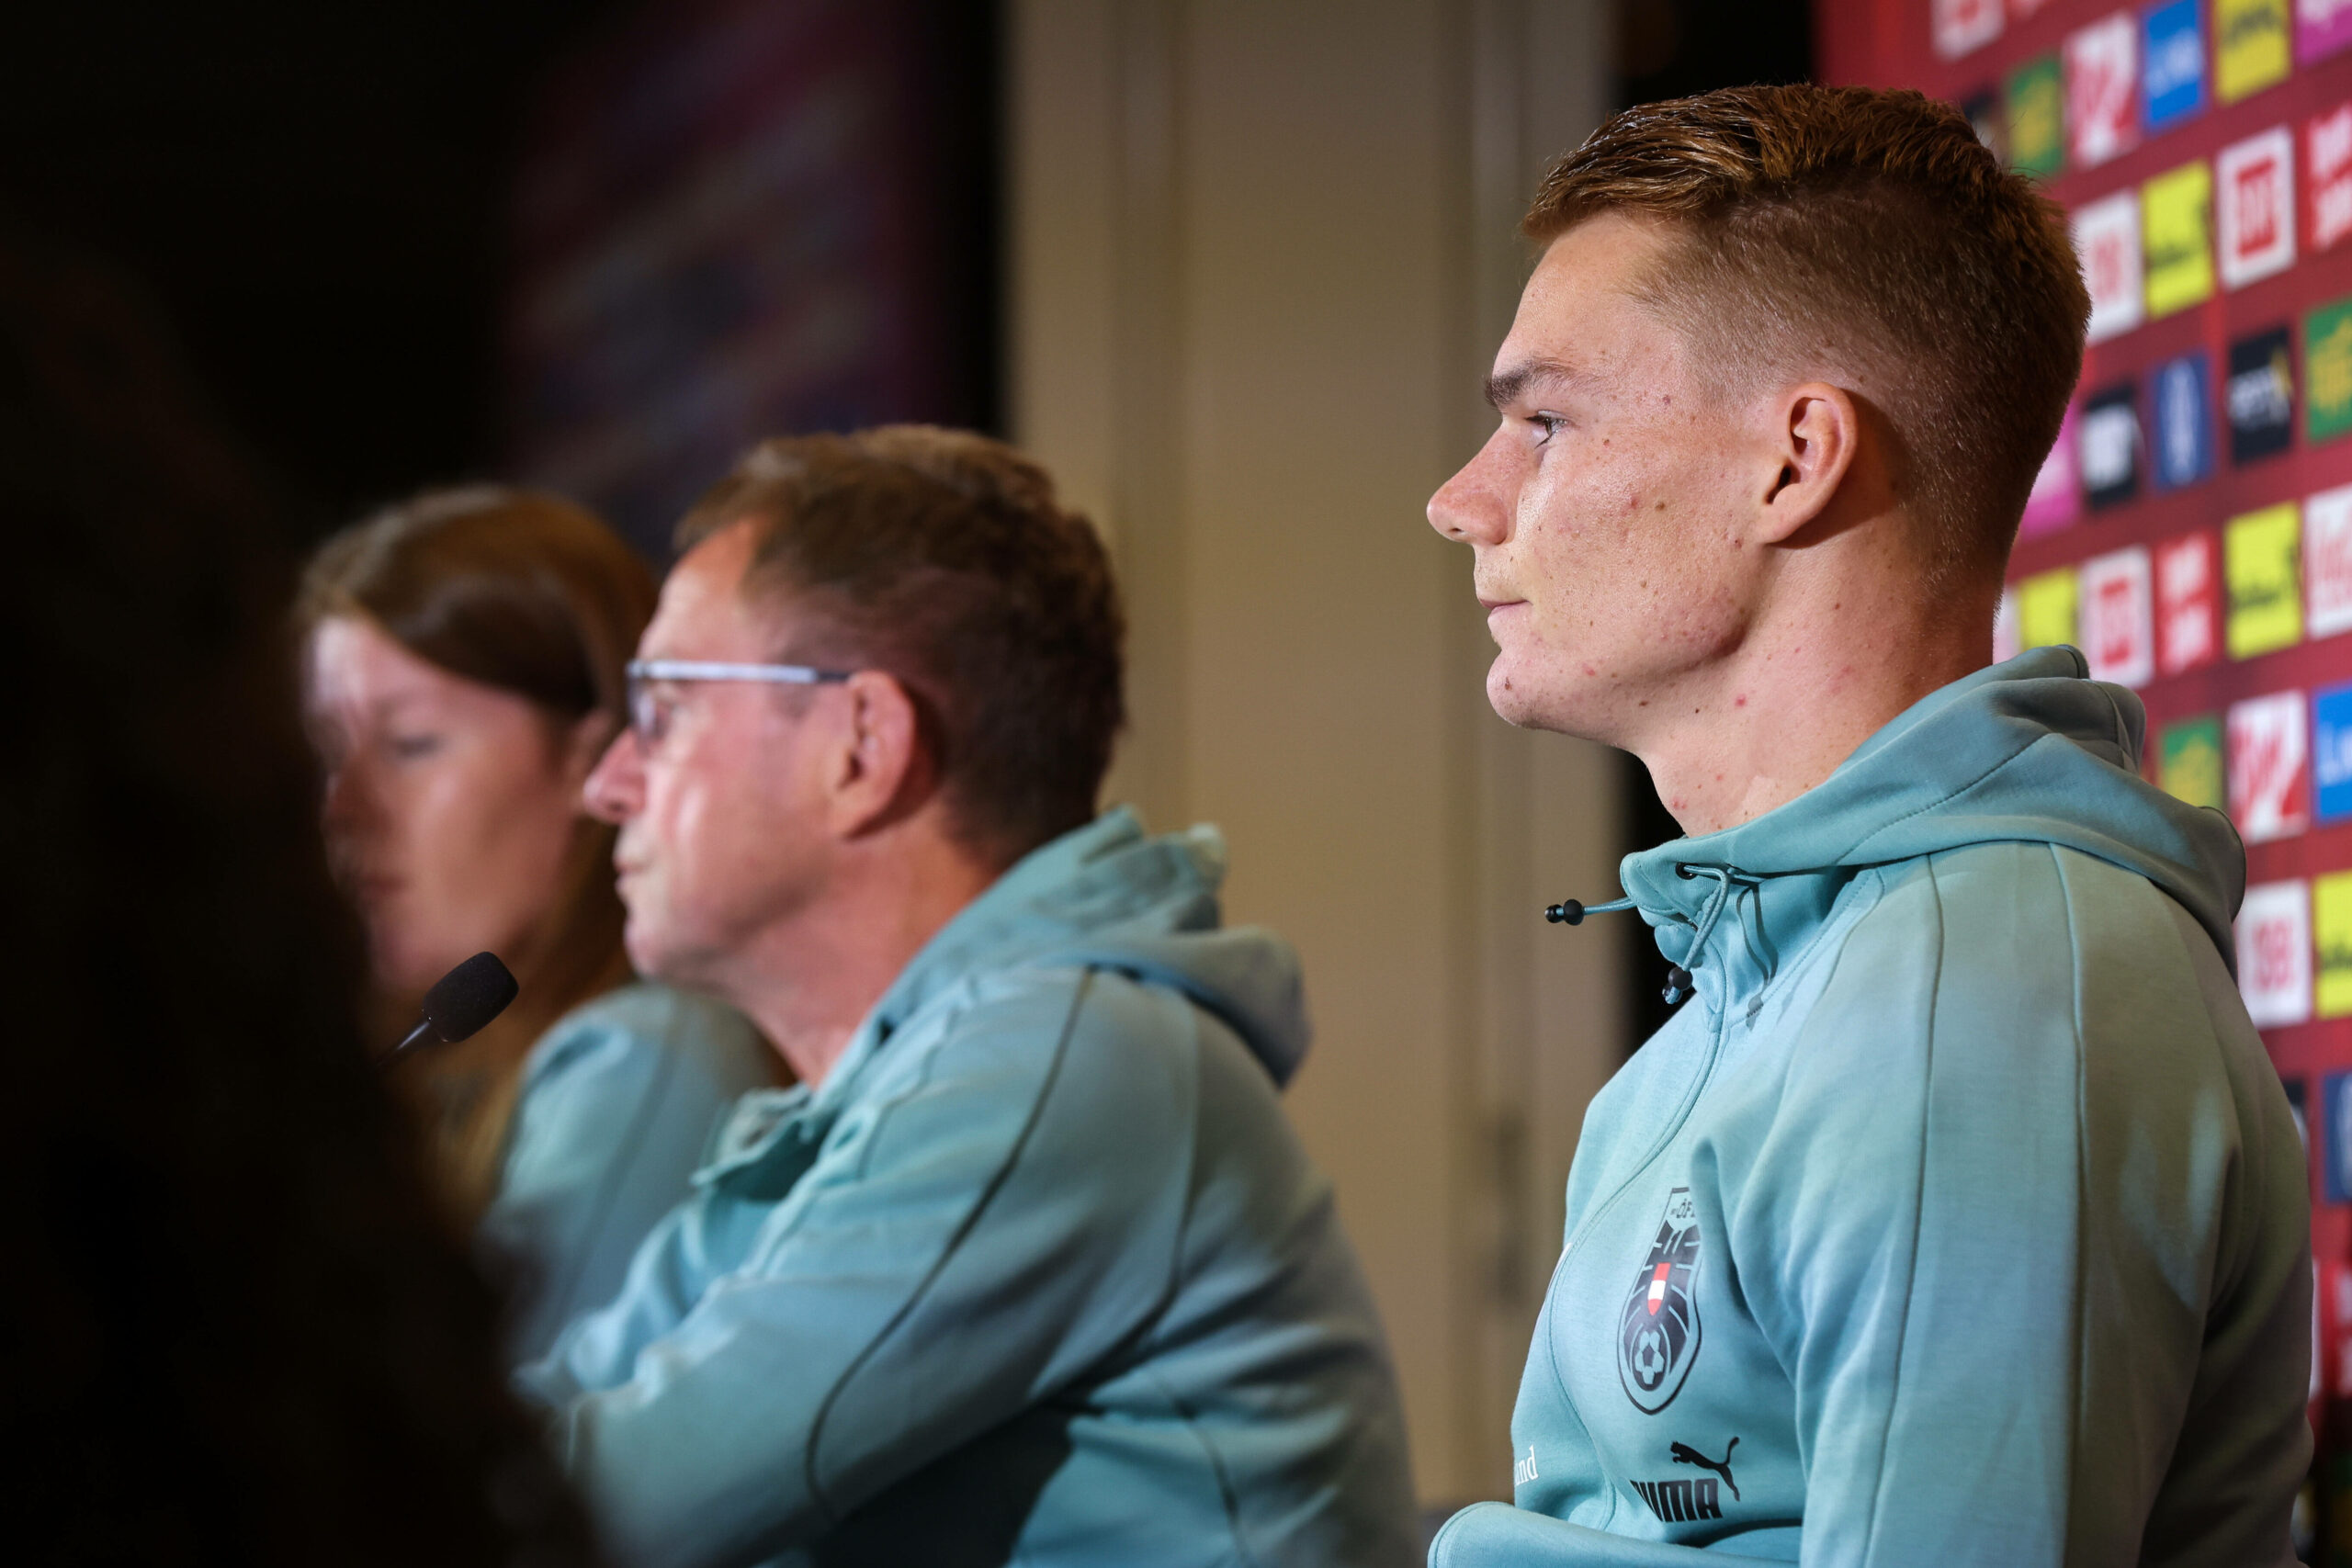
x,y
1957,1216
1029,1268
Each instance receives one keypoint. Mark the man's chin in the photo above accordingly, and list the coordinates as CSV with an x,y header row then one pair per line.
x,y
1529,701
657,954
1513,696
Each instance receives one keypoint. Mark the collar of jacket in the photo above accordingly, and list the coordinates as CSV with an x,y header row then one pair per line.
x,y
2028,751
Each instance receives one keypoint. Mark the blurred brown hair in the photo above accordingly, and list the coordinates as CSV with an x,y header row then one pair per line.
x,y
1847,231
944,558
526,592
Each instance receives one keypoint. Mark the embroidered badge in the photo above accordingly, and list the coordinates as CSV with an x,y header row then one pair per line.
x,y
1658,1331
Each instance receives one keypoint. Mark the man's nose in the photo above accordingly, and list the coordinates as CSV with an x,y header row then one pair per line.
x,y
615,787
1470,508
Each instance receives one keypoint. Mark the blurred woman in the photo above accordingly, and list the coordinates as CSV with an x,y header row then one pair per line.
x,y
463,668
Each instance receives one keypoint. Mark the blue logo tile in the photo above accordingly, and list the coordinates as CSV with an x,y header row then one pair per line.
x,y
2172,82
2336,1146
2331,753
2182,428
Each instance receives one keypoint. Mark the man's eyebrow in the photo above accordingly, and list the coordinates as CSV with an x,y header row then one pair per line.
x,y
1511,385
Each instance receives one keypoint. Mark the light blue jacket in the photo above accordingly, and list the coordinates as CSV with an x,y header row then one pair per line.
x,y
1039,1274
619,1099
1958,1218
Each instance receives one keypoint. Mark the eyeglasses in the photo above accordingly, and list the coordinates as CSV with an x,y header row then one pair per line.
x,y
649,716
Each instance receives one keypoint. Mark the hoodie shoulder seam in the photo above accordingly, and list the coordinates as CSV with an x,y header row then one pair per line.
x,y
1918,1198
811,1463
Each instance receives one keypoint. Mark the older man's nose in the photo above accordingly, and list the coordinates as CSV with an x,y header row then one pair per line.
x,y
615,787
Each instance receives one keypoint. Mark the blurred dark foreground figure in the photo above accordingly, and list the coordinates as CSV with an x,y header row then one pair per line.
x,y
234,1329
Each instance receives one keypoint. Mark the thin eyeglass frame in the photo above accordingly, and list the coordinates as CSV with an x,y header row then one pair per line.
x,y
639,672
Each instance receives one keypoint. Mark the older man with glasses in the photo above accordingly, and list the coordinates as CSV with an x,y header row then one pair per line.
x,y
1029,1266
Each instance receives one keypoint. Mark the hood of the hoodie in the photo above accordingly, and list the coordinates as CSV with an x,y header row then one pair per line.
x,y
1109,896
2030,749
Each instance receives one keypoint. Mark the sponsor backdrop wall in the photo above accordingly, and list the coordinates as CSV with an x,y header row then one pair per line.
x,y
2192,530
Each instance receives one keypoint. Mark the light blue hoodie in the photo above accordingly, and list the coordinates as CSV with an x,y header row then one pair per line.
x,y
1040,1273
1959,1217
618,1101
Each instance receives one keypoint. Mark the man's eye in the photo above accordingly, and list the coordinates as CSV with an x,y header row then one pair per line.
x,y
410,748
1547,426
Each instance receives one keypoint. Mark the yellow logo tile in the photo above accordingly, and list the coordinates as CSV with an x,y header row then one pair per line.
x,y
2259,559
2251,46
2176,225
2046,609
2332,935
2188,762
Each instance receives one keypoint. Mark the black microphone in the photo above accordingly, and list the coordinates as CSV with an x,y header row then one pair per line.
x,y
459,1003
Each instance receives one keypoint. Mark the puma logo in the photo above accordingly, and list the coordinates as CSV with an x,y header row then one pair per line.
x,y
1683,1453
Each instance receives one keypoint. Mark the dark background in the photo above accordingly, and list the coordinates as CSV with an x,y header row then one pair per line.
x,y
314,200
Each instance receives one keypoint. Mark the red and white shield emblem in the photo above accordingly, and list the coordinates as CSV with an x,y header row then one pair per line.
x,y
1658,1331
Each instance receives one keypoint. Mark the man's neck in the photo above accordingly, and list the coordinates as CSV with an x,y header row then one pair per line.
x,y
1775,719
810,981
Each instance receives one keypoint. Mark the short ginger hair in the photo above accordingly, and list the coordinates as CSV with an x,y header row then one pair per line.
x,y
1868,238
946,560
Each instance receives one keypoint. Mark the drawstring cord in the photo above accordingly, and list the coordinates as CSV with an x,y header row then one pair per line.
x,y
1679,987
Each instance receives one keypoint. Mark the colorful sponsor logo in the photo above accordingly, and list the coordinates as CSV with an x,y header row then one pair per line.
x,y
2327,371
2056,497
2107,238
2251,47
2177,210
2332,753
2259,396
2327,164
2327,561
2102,63
2173,79
2180,437
2275,952
2188,761
2110,445
2257,201
2336,1170
2269,773
2322,26
1964,26
2037,118
2046,609
2118,615
2259,561
2188,604
2332,944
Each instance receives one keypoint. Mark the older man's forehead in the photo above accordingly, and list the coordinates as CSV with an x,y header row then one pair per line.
x,y
703,611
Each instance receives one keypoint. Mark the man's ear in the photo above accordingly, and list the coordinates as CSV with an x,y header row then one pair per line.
x,y
1817,432
881,768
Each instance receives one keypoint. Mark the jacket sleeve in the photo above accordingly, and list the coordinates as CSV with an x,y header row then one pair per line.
x,y
2011,1195
968,1241
618,1101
